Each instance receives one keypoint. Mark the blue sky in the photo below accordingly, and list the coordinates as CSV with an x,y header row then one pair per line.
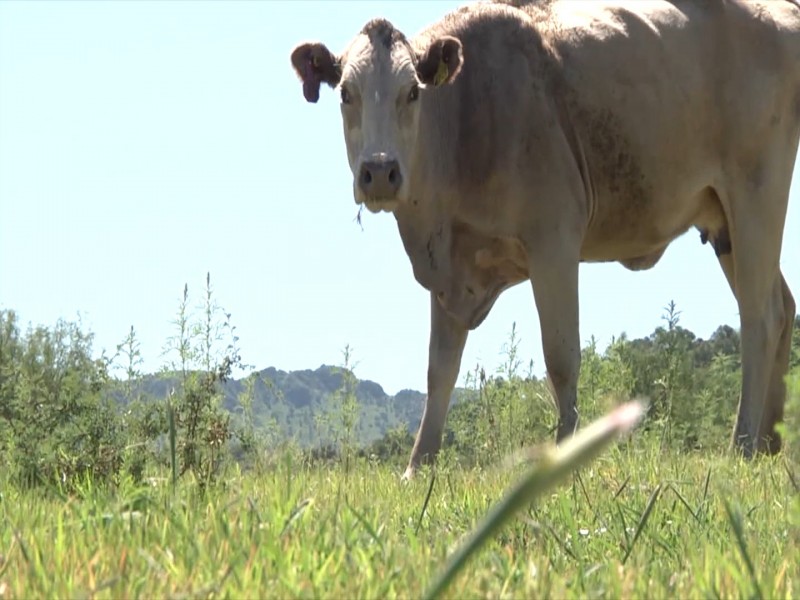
x,y
143,144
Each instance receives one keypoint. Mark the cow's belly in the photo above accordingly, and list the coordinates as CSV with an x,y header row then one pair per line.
x,y
637,235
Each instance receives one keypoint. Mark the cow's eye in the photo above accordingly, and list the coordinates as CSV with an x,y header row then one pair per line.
x,y
345,96
413,93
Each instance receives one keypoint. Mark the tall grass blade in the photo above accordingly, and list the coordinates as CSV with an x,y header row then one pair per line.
x,y
735,519
643,521
559,542
792,478
297,512
624,524
366,524
425,504
22,548
684,502
554,466
705,486
173,450
622,487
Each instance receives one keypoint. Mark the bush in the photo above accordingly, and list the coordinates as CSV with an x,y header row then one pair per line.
x,y
56,423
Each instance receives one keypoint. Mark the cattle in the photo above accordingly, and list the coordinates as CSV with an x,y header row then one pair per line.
x,y
514,140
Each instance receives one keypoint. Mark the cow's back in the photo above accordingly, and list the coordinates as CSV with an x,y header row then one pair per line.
x,y
663,95
652,96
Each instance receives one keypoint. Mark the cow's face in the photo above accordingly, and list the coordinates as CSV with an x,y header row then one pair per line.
x,y
381,80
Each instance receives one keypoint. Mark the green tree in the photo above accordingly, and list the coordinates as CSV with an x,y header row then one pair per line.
x,y
55,421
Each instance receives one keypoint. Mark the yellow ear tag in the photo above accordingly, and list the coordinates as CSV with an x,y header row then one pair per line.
x,y
441,73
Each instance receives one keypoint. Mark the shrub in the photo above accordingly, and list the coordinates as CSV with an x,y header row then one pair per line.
x,y
56,423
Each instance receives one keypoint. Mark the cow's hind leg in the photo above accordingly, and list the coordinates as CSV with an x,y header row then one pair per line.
x,y
447,340
751,408
769,438
765,360
750,261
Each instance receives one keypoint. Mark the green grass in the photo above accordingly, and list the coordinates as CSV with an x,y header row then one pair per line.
x,y
634,523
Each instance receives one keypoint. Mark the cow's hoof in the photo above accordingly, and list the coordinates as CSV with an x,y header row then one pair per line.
x,y
408,475
566,431
770,445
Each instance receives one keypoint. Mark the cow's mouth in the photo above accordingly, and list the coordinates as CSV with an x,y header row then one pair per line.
x,y
380,205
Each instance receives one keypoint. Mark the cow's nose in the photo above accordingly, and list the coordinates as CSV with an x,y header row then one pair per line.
x,y
380,178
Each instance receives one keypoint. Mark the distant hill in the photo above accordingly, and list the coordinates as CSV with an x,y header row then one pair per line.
x,y
296,403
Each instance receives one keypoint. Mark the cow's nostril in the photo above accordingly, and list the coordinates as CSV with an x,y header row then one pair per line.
x,y
380,178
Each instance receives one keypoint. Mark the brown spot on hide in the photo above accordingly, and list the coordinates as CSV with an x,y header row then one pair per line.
x,y
611,152
612,163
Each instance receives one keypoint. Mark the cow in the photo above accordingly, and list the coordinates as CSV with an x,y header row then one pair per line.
x,y
513,140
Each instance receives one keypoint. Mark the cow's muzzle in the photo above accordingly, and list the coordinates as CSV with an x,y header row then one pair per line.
x,y
379,178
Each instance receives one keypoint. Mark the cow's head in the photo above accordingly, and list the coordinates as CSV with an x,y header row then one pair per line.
x,y
382,81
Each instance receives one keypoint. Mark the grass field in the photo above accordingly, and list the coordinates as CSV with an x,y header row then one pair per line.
x,y
717,527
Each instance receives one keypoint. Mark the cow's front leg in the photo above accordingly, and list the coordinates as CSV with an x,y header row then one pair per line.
x,y
448,337
554,276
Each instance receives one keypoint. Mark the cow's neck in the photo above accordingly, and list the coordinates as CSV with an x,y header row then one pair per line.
x,y
426,234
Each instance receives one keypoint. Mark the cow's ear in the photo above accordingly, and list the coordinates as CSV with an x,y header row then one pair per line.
x,y
315,64
441,62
